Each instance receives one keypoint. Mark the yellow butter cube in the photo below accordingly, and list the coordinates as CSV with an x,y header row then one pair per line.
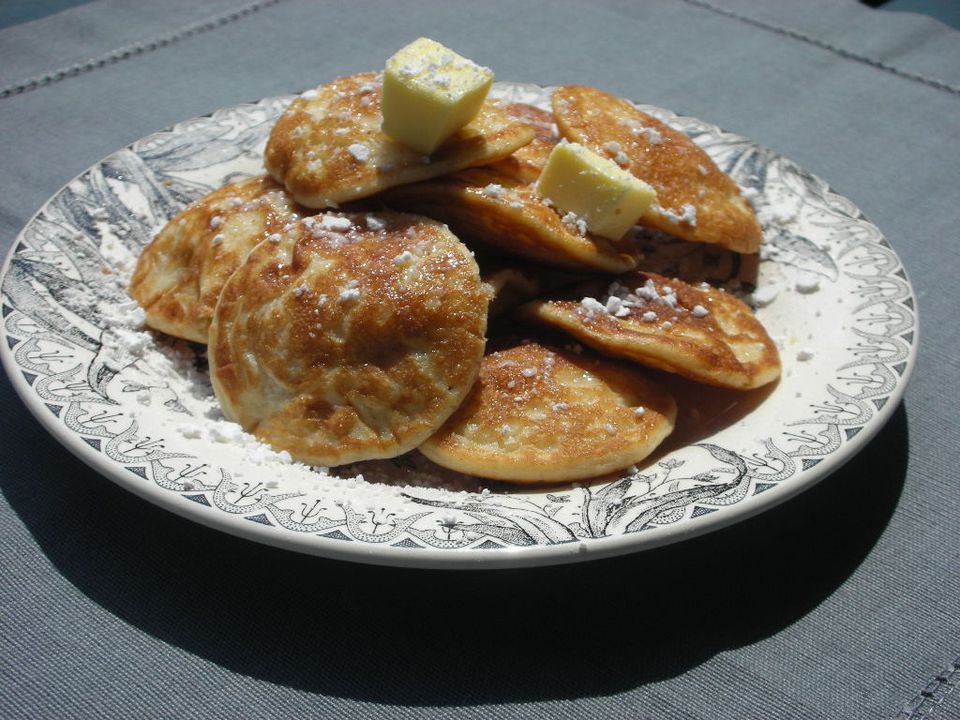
x,y
607,198
430,92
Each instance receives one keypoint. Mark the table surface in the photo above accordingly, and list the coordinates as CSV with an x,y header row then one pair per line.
x,y
839,603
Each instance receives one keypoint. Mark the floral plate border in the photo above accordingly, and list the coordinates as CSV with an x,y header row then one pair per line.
x,y
824,410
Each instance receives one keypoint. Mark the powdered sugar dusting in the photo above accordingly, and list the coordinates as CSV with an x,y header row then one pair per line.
x,y
166,392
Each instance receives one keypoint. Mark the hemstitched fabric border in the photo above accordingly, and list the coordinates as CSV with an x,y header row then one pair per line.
x,y
929,699
847,54
135,49
927,702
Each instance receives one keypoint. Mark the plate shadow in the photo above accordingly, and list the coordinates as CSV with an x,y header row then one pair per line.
x,y
415,637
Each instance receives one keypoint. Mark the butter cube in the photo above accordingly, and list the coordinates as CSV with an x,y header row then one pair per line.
x,y
430,92
607,198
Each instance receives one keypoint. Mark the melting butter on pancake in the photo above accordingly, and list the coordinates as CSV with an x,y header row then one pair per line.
x,y
352,337
526,164
486,206
699,332
541,415
179,275
328,148
695,199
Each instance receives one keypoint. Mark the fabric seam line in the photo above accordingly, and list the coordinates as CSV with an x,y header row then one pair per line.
x,y
135,49
933,693
835,49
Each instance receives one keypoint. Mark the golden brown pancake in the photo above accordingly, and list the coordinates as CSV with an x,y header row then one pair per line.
x,y
699,332
540,415
328,148
526,164
486,206
695,199
353,337
179,275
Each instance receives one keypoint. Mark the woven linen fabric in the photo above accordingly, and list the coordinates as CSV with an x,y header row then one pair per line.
x,y
841,603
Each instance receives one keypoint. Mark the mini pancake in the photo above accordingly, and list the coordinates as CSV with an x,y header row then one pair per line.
x,y
698,332
489,207
695,199
696,262
179,275
539,415
352,337
526,164
328,148
511,286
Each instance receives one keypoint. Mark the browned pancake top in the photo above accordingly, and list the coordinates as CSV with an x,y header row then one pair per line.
x,y
484,205
352,337
526,164
695,199
328,148
539,414
179,275
698,332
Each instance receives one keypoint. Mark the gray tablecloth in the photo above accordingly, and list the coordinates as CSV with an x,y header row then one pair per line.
x,y
841,603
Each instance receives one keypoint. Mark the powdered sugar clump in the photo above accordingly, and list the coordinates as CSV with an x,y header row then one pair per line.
x,y
687,214
764,295
808,283
360,152
620,300
575,223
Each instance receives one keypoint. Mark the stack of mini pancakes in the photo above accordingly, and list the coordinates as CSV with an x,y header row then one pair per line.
x,y
361,300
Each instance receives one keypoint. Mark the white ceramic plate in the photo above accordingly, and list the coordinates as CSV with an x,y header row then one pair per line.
x,y
117,399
